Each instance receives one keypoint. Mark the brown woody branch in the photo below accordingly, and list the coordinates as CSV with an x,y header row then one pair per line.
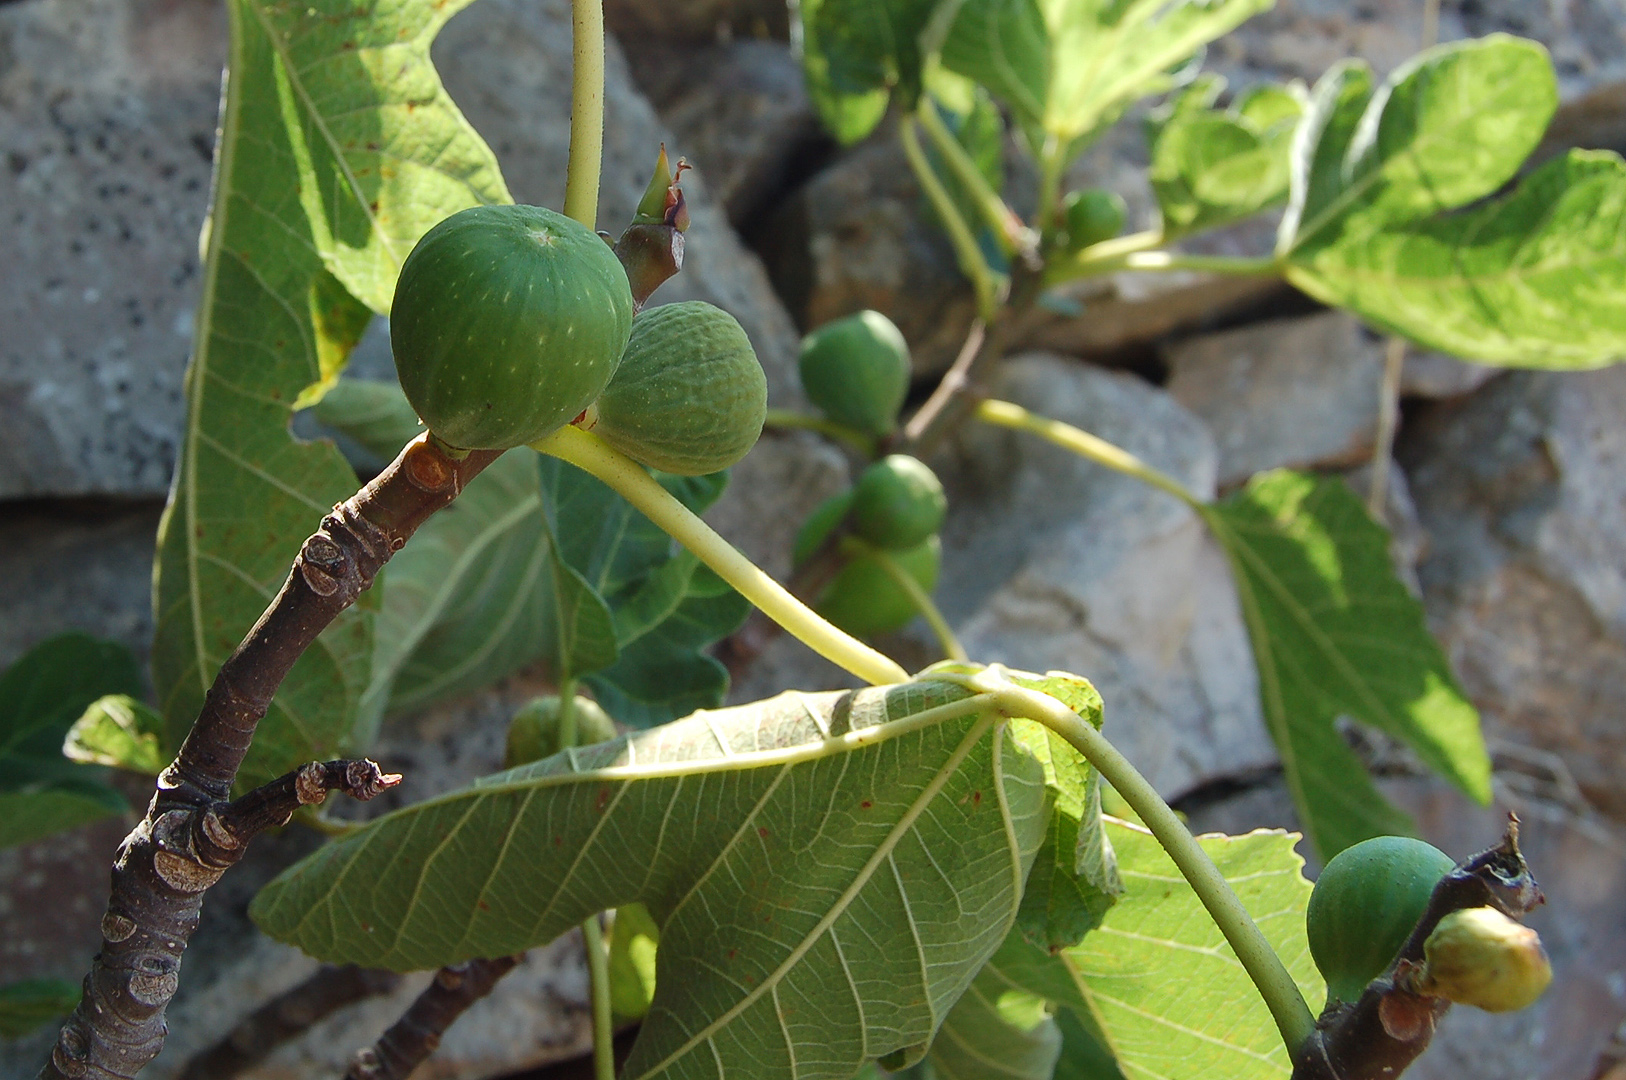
x,y
415,1036
191,833
1377,1037
286,1016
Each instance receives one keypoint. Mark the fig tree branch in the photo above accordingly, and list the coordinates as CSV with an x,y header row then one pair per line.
x,y
192,832
1377,1037
411,1039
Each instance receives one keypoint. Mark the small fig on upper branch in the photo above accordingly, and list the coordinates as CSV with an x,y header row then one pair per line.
x,y
1091,216
897,503
507,322
856,370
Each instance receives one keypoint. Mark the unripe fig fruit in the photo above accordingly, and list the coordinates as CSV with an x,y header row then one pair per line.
x,y
507,322
533,734
689,396
1365,904
897,503
862,598
1480,957
856,370
1091,216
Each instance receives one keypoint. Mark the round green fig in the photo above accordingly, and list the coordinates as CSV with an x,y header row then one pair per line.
x,y
690,396
1091,216
533,733
897,503
507,322
862,598
1365,904
1480,957
856,370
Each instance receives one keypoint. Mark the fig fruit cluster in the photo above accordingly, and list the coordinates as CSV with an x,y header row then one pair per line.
x,y
896,507
510,322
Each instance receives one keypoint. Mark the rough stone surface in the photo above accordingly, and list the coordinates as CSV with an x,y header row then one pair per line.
x,y
739,113
1580,862
855,237
1302,38
1051,561
698,20
107,117
1293,392
1428,374
1521,489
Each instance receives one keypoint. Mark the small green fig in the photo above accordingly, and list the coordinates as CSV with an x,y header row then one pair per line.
x,y
689,396
856,370
507,322
1091,216
533,733
862,598
897,503
1365,904
1480,957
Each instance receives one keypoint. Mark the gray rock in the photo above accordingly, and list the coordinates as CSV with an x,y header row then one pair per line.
x,y
855,237
739,112
1434,375
1302,38
1051,561
107,116
698,20
1293,392
1521,489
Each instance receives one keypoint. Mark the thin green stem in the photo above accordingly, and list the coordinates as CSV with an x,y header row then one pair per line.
x,y
598,972
1082,443
966,250
598,966
590,453
1102,258
586,112
787,418
1262,265
1052,163
1274,982
1012,235
918,596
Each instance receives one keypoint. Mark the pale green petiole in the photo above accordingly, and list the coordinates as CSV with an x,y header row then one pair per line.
x,y
589,453
1082,443
834,429
1012,235
970,256
1281,994
586,112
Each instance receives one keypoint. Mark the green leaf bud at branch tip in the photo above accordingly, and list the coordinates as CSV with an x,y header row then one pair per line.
x,y
651,249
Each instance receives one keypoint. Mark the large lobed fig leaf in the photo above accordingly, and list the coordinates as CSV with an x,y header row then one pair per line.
x,y
337,148
1382,217
828,871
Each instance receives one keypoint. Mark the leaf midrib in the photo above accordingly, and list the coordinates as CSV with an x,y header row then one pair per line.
x,y
882,852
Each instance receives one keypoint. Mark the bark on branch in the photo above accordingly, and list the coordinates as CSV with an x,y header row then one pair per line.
x,y
191,832
411,1039
1377,1037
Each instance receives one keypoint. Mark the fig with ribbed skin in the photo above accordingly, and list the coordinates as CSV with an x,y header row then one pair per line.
x,y
689,396
533,733
507,322
897,503
856,370
1365,904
